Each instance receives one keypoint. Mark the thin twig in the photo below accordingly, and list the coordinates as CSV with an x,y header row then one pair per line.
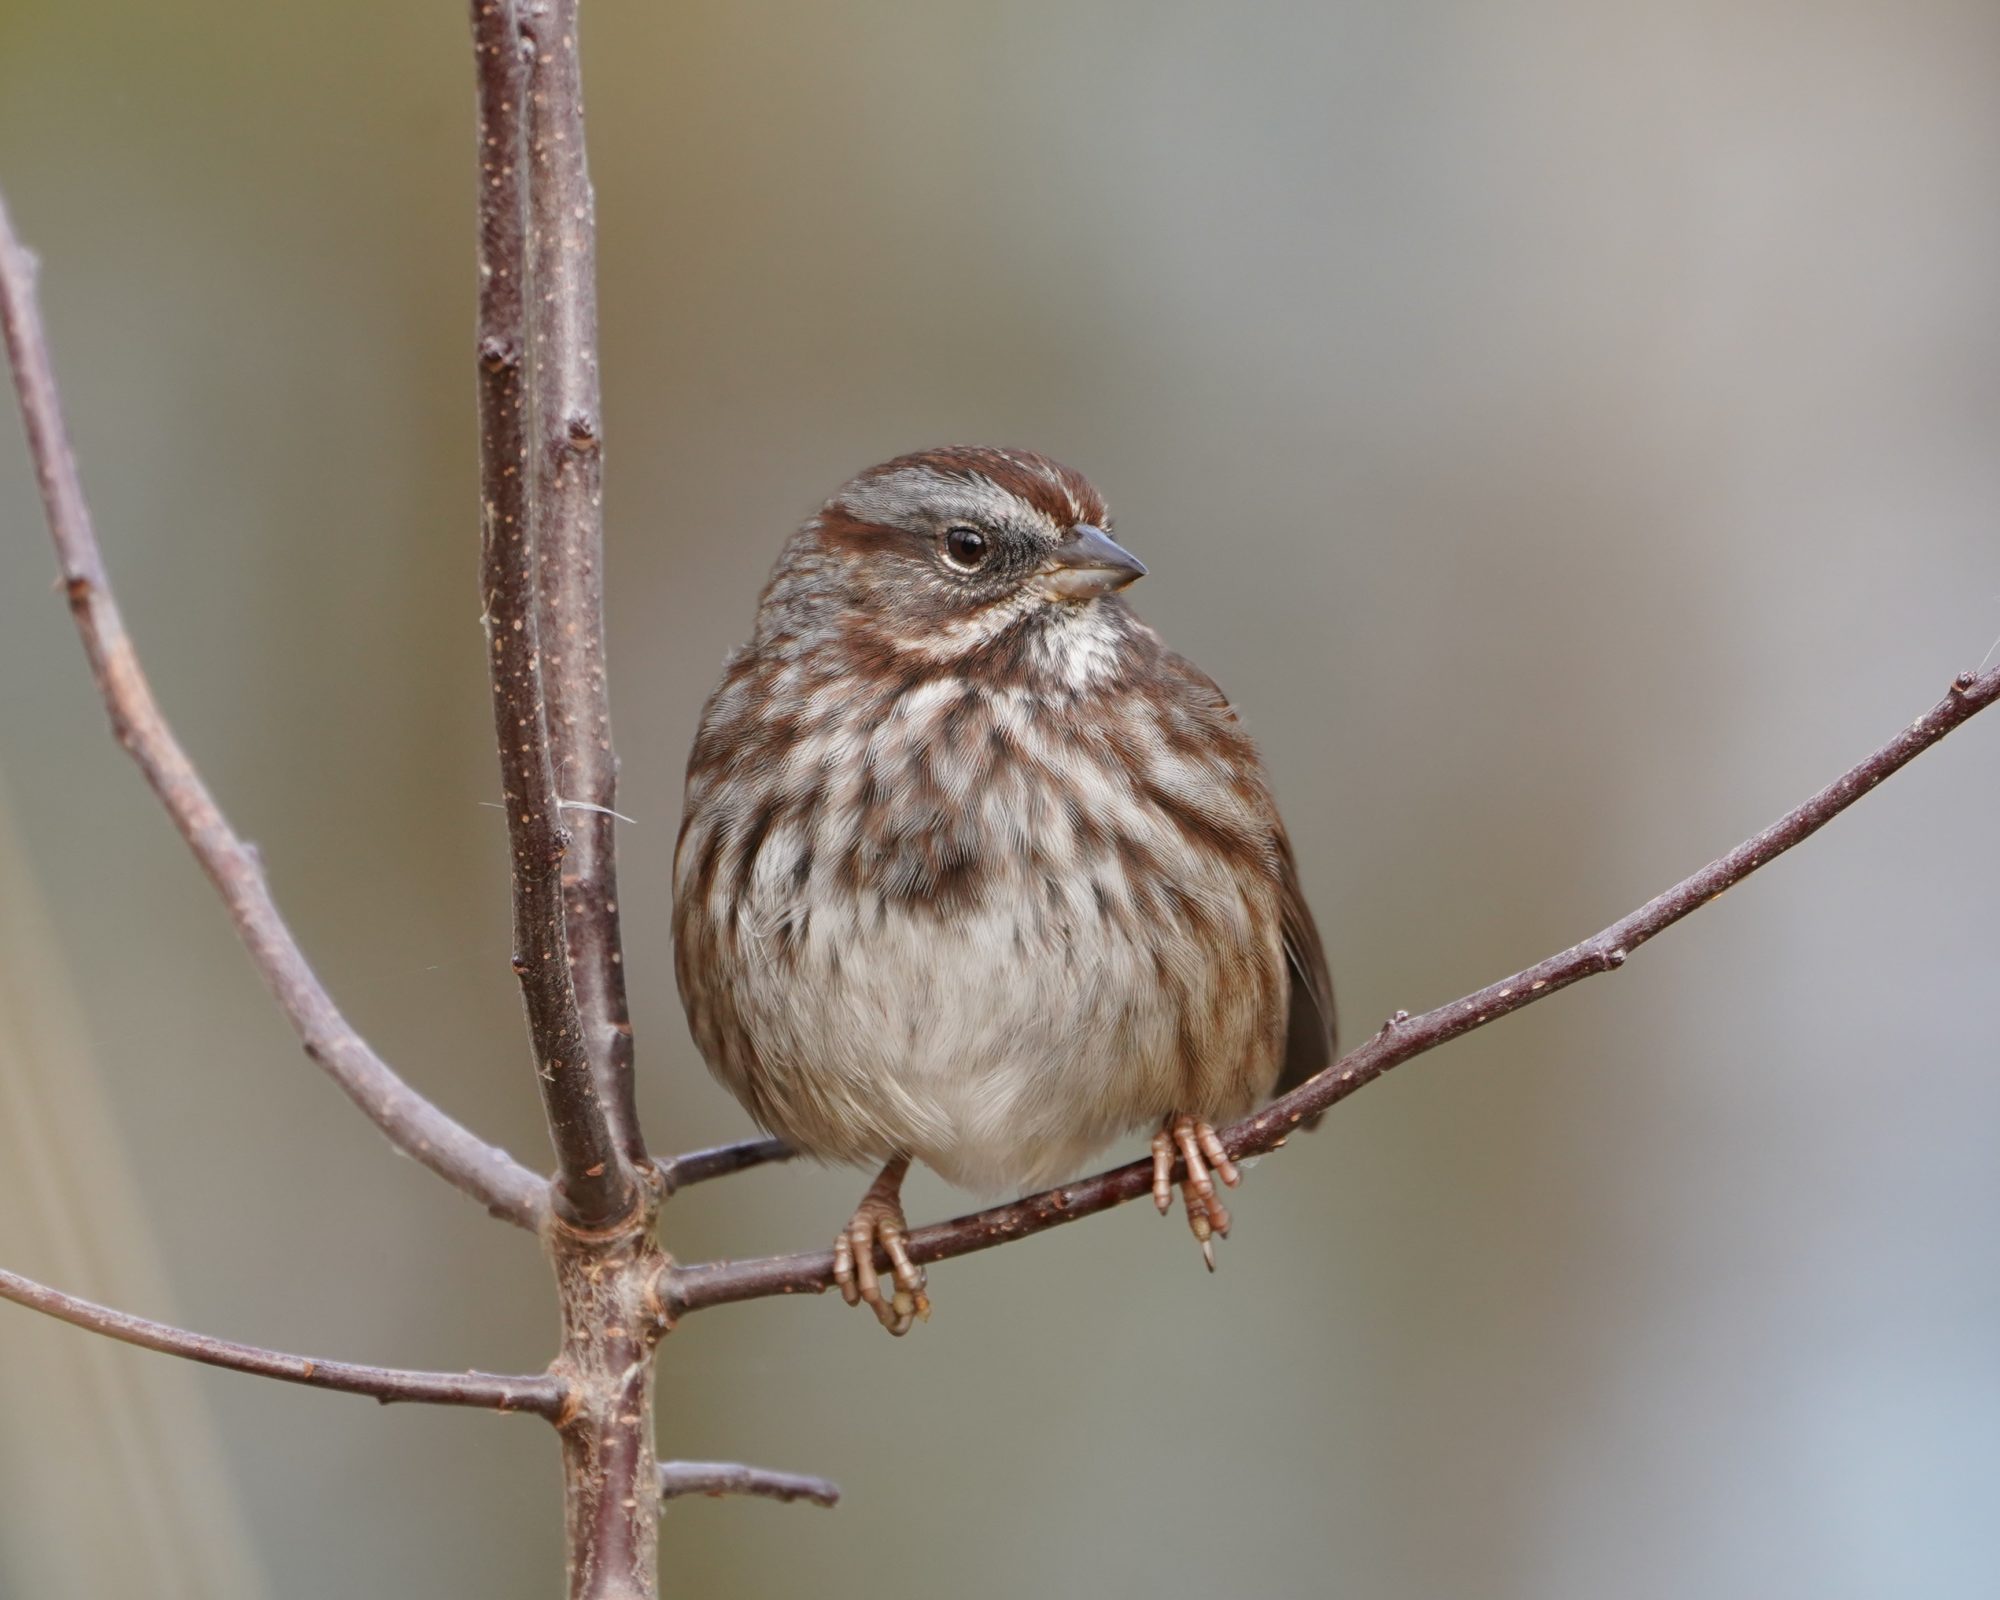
x,y
537,1393
411,1122
718,1161
692,1288
728,1477
566,502
594,1184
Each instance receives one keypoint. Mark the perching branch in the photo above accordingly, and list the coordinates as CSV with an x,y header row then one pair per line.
x,y
539,1393
718,1161
713,1283
595,1185
566,502
727,1477
411,1123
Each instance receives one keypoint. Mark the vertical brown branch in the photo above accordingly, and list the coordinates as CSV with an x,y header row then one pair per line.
x,y
543,565
611,1512
566,496
595,1185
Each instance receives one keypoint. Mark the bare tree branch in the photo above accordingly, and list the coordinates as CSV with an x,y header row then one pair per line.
x,y
543,564
691,1288
727,1477
566,501
595,1185
538,1393
718,1161
542,577
411,1122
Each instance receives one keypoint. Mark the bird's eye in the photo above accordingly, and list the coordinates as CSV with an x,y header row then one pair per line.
x,y
966,548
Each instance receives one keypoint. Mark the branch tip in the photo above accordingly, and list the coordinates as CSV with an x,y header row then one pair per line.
x,y
718,1161
717,1478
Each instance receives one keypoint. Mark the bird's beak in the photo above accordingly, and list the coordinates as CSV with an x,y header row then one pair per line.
x,y
1087,564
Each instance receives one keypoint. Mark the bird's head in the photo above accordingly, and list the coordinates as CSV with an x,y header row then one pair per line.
x,y
948,551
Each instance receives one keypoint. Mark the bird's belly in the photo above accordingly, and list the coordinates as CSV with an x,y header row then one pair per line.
x,y
1002,1043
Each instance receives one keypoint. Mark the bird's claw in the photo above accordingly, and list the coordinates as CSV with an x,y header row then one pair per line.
x,y
1196,1144
879,1220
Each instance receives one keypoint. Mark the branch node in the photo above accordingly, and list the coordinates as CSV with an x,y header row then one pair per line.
x,y
654,1297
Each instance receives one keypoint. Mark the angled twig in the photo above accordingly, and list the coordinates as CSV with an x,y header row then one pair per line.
x,y
539,1393
728,1477
718,1161
411,1122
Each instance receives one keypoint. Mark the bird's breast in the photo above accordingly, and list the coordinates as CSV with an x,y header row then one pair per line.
x,y
978,925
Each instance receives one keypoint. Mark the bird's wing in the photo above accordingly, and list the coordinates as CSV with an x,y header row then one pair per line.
x,y
1310,1026
1310,1022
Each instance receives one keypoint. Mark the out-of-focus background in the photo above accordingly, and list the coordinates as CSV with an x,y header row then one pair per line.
x,y
1569,432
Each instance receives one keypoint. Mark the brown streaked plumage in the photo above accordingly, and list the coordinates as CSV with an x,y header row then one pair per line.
x,y
974,870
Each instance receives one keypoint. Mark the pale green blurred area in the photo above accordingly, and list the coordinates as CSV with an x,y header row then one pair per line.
x,y
1568,431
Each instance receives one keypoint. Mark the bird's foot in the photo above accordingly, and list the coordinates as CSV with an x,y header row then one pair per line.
x,y
1197,1144
879,1220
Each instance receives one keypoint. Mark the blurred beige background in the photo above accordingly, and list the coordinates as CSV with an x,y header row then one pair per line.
x,y
1569,432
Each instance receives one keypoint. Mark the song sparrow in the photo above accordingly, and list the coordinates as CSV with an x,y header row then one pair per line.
x,y
974,870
